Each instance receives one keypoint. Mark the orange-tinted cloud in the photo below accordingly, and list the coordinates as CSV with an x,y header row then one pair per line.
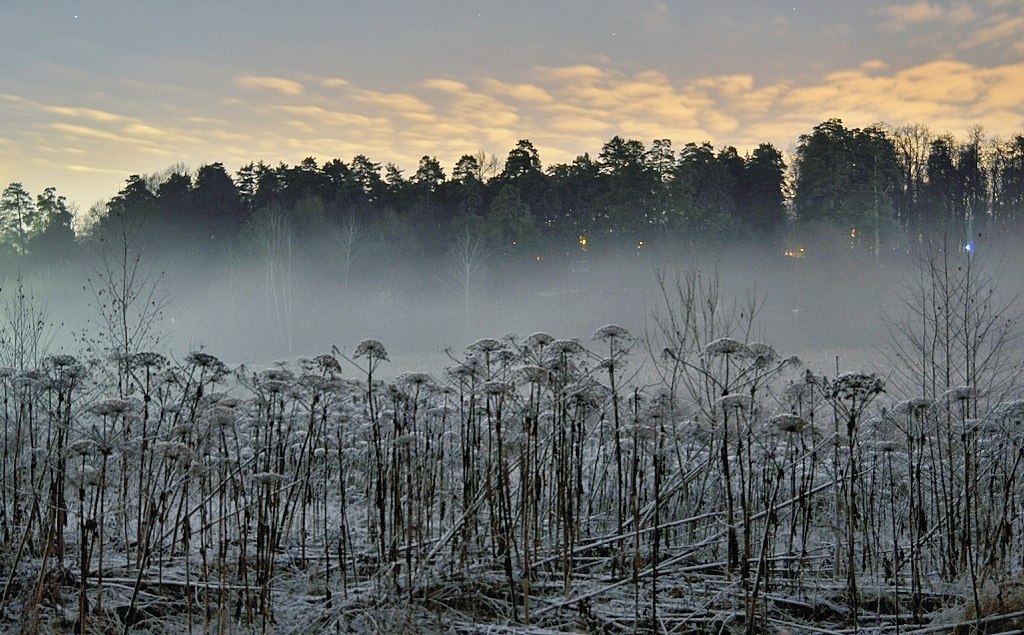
x,y
1001,28
275,84
900,16
86,113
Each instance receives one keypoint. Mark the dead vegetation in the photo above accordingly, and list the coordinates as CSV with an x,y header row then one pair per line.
x,y
690,480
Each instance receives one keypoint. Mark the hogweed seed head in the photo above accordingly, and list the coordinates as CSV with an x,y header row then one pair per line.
x,y
725,346
907,407
86,475
150,360
485,345
465,371
532,374
734,401
797,392
221,416
274,386
73,372
110,407
761,354
539,340
60,361
495,388
371,348
859,386
587,390
171,377
277,374
567,347
327,363
790,423
414,380
317,383
83,447
611,332
887,446
173,450
29,379
201,359
961,393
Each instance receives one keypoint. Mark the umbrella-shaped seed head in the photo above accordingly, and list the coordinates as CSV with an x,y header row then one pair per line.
x,y
725,346
371,348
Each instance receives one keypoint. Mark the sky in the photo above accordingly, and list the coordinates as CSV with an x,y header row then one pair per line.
x,y
94,91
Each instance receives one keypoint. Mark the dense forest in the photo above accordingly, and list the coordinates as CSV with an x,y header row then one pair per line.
x,y
879,184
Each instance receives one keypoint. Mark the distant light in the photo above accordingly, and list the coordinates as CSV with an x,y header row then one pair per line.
x,y
538,258
583,242
969,247
640,244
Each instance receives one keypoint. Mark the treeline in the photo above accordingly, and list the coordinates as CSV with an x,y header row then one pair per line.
x,y
880,180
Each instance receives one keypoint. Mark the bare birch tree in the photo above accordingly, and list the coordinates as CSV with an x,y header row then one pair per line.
x,y
268,237
129,296
466,263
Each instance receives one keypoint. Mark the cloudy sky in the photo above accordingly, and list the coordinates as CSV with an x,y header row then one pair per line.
x,y
92,91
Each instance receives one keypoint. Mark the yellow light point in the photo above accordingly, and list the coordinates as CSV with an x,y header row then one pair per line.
x,y
583,242
853,233
640,244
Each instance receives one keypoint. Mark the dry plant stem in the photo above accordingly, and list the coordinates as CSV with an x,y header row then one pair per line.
x,y
762,564
83,570
656,534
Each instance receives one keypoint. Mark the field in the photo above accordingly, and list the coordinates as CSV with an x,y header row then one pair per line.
x,y
684,479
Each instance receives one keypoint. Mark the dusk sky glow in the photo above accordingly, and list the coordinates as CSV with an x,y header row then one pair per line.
x,y
94,91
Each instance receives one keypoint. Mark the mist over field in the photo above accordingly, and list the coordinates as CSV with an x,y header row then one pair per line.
x,y
831,301
818,303
538,431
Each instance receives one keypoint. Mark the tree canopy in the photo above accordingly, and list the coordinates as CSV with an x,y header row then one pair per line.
x,y
878,179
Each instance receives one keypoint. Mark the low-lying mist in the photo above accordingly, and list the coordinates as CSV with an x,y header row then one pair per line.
x,y
832,301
